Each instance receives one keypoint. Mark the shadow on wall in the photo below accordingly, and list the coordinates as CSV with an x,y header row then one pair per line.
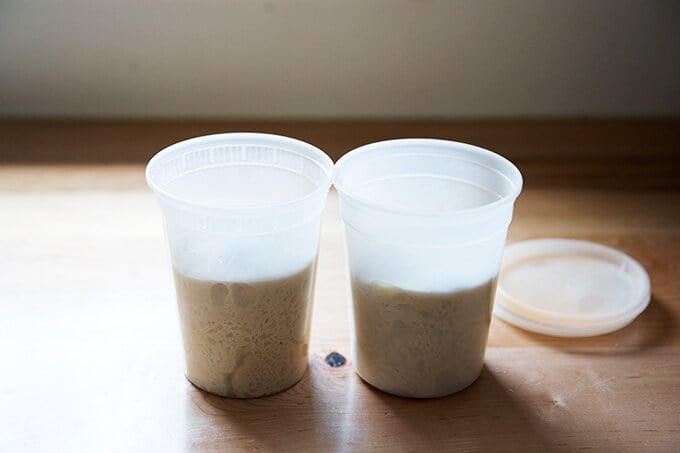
x,y
385,58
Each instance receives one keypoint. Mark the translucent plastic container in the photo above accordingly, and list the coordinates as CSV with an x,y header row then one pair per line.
x,y
242,214
425,226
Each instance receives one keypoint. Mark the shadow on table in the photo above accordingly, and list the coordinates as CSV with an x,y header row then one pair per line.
x,y
483,417
332,409
654,327
305,417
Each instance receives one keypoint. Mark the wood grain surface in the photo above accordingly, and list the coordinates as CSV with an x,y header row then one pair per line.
x,y
607,153
91,354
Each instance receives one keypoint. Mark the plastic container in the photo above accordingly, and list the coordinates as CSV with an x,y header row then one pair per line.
x,y
425,226
242,216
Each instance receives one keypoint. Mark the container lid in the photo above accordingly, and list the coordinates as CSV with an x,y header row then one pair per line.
x,y
570,288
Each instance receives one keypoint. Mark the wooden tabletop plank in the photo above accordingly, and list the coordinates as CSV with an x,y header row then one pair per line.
x,y
92,357
604,153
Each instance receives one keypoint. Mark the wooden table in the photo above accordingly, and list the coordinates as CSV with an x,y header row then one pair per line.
x,y
91,354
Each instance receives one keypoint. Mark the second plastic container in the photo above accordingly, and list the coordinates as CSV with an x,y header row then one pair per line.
x,y
425,226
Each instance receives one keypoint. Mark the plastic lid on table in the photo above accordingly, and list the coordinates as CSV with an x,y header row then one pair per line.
x,y
570,288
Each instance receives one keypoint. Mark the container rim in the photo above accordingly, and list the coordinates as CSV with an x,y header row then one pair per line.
x,y
241,138
511,173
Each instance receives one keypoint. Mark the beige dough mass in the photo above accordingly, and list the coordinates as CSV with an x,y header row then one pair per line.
x,y
420,345
246,340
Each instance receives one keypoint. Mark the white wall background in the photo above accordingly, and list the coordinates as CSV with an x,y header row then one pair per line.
x,y
331,58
